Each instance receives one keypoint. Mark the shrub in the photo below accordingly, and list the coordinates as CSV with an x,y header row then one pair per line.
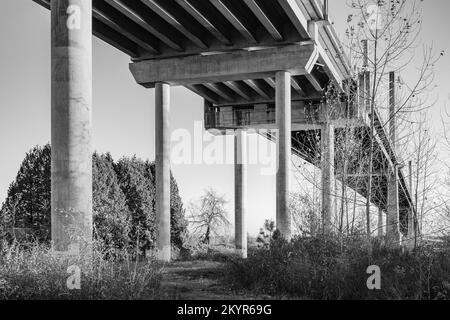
x,y
333,268
123,201
137,181
112,217
34,273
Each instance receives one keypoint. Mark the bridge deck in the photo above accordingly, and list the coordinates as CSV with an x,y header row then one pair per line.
x,y
161,29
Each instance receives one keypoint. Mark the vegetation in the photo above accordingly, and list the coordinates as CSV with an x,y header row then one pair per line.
x,y
35,274
335,268
266,233
208,215
123,201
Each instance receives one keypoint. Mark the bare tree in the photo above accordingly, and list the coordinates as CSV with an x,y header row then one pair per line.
x,y
382,37
208,215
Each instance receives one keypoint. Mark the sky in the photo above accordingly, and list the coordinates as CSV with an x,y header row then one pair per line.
x,y
123,112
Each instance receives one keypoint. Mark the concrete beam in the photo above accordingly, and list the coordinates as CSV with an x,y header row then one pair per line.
x,y
240,89
233,66
283,120
162,168
237,24
175,22
258,88
240,192
207,23
222,91
145,23
264,19
130,33
297,87
205,93
295,14
71,108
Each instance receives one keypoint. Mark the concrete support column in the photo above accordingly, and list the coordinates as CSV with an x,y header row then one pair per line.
x,y
410,239
380,223
240,192
162,168
327,154
411,227
71,106
283,118
393,220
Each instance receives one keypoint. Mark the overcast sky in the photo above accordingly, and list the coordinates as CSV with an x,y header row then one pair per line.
x,y
123,112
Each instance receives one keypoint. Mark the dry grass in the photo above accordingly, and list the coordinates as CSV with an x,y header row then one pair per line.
x,y
320,268
34,273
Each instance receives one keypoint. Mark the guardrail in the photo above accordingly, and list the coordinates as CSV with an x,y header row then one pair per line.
x,y
232,117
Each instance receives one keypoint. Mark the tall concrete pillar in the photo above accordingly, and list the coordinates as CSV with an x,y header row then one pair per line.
x,y
328,193
411,217
162,168
411,224
380,223
71,106
409,242
283,118
240,192
393,219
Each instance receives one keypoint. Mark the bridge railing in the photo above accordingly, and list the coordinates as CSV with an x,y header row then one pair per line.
x,y
265,115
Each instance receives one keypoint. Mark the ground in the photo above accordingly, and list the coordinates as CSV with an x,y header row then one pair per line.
x,y
198,280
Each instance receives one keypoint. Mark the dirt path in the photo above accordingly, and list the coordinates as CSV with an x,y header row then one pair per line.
x,y
197,280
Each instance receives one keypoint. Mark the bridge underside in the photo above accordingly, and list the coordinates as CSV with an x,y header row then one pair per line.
x,y
308,119
161,29
256,63
306,145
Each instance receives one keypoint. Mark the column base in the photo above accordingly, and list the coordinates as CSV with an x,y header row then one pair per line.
x,y
162,255
242,253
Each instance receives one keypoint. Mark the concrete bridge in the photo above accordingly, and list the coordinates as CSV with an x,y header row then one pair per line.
x,y
256,63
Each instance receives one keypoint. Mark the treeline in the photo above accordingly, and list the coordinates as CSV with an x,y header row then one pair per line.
x,y
123,201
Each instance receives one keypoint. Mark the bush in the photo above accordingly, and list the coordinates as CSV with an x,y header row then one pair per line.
x,y
123,202
34,273
331,268
112,217
137,181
